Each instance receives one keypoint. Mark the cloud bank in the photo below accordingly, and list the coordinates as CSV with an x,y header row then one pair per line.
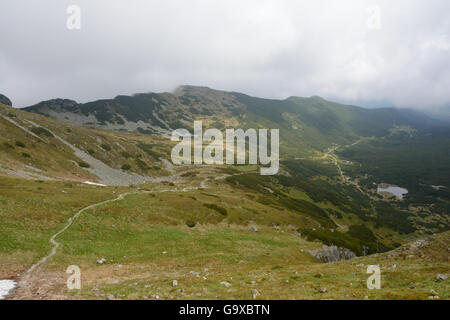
x,y
386,52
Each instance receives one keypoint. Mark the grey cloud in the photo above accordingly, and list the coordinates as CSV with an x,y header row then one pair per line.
x,y
266,48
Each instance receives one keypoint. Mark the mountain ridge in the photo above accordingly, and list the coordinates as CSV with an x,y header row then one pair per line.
x,y
157,113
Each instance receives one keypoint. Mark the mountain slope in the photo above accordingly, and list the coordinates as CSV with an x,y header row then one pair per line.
x,y
367,147
36,147
308,124
226,219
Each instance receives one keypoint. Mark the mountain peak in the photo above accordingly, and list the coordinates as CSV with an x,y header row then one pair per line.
x,y
54,104
5,100
195,90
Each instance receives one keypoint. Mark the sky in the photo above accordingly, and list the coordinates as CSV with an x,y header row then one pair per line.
x,y
370,53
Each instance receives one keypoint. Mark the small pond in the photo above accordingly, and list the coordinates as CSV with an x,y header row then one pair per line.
x,y
397,191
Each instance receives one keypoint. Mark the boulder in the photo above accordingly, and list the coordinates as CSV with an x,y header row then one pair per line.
x,y
332,254
441,277
255,293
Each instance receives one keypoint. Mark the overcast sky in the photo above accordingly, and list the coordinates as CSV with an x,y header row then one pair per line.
x,y
341,50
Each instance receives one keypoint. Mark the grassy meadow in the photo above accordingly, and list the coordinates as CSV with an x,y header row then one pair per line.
x,y
202,238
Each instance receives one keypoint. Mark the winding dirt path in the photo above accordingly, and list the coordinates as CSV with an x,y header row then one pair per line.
x,y
27,276
56,244
330,153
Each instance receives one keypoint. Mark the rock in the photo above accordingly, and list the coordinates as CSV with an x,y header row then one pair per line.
x,y
254,228
433,297
110,297
412,285
323,290
5,100
366,298
164,252
226,284
101,261
441,277
194,273
174,283
255,293
332,254
433,292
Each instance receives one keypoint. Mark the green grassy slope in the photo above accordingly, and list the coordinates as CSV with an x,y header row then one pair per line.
x,y
27,144
147,244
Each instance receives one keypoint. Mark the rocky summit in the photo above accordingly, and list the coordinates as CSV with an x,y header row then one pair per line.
x,y
5,100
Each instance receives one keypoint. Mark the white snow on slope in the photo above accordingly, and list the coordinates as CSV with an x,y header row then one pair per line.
x,y
5,287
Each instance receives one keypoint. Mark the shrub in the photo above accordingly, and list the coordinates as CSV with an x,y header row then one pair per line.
x,y
83,164
90,151
190,223
362,232
125,154
147,148
126,167
26,155
217,124
189,174
20,144
106,146
217,208
42,131
141,164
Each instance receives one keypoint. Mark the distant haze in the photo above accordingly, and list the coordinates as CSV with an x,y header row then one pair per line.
x,y
340,50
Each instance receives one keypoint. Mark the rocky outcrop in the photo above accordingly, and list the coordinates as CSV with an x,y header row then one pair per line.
x,y
57,105
5,100
332,254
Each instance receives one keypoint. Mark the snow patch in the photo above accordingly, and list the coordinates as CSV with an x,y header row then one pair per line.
x,y
5,287
94,184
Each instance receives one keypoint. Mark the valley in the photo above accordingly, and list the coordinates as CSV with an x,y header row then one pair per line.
x,y
83,183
